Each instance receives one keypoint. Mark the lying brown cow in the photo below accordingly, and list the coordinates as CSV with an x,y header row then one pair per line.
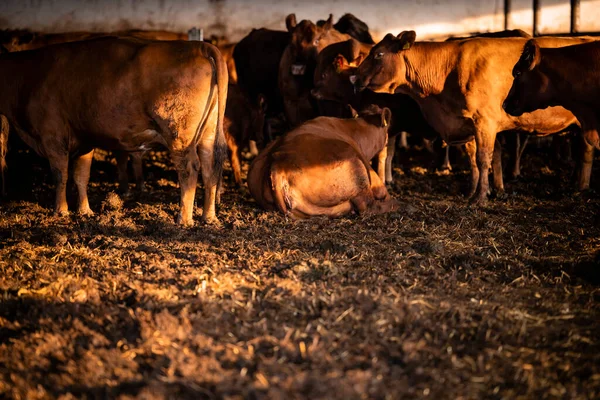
x,y
567,76
298,62
119,94
322,168
460,87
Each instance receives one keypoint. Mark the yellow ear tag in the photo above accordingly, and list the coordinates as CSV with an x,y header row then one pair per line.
x,y
384,123
406,46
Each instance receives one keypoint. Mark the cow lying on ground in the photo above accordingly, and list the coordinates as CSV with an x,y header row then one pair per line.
x,y
322,168
567,76
460,87
119,94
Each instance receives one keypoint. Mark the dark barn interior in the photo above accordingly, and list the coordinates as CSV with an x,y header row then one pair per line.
x,y
413,215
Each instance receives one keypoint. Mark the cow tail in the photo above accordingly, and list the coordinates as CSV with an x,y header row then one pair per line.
x,y
4,130
220,145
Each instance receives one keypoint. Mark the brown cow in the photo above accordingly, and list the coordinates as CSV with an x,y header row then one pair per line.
x,y
322,168
243,122
298,62
19,40
120,94
460,86
567,77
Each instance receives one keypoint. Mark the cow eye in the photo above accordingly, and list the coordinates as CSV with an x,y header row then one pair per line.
x,y
323,75
316,42
378,56
517,73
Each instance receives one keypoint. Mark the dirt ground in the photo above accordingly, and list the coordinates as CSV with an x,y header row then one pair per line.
x,y
437,300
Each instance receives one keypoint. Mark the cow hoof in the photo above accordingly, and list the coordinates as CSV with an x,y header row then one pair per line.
x,y
501,195
212,221
61,213
189,222
443,172
86,212
478,201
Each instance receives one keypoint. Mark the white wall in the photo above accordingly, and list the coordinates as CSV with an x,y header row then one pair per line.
x,y
235,18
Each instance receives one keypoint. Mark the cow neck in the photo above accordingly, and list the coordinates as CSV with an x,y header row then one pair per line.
x,y
370,139
428,64
560,68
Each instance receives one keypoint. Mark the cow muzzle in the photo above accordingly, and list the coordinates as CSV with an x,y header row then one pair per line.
x,y
358,85
298,69
512,108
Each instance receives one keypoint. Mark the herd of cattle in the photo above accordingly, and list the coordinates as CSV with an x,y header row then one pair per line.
x,y
341,98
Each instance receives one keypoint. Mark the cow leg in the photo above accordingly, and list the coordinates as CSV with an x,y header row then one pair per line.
x,y
441,148
377,187
122,176
81,176
253,148
59,164
138,171
585,169
403,142
497,169
389,161
234,158
471,149
4,131
187,165
485,140
381,159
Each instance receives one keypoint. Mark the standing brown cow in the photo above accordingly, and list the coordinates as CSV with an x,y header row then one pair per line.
x,y
567,76
120,94
460,87
322,168
298,62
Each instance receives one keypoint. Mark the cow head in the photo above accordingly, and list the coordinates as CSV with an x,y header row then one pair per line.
x,y
385,69
531,89
308,40
374,115
335,64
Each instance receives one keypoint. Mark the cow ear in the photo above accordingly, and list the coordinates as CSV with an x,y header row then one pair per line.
x,y
355,57
329,23
531,55
290,22
340,63
386,117
405,40
352,111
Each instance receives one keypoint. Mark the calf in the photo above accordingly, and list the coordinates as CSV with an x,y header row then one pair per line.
x,y
322,168
567,76
460,86
119,94
298,62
